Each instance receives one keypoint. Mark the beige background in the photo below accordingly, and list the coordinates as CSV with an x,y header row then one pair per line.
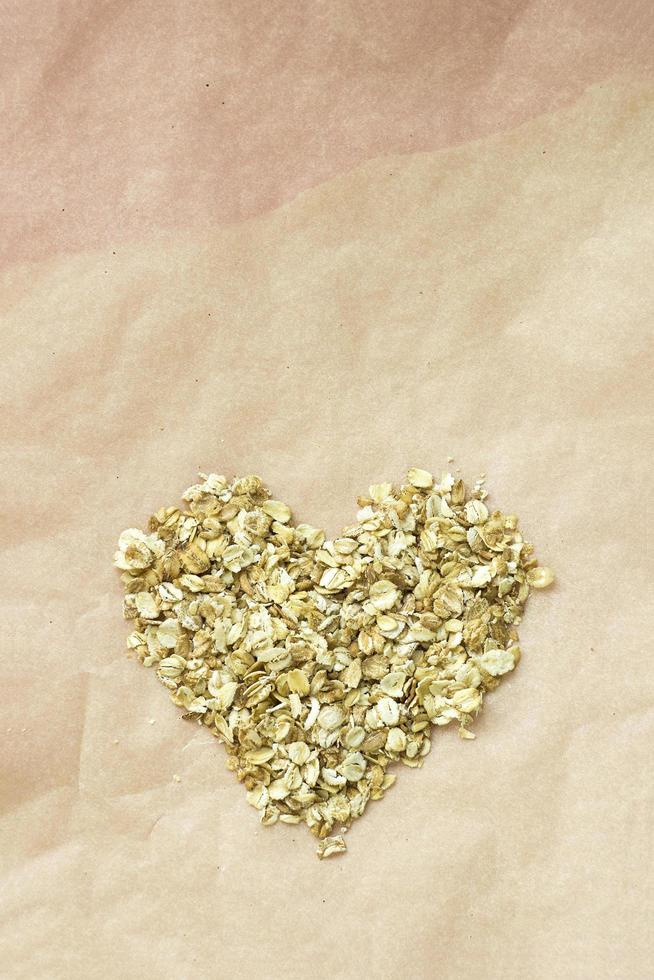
x,y
410,232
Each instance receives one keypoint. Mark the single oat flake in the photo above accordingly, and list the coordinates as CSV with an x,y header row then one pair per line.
x,y
320,662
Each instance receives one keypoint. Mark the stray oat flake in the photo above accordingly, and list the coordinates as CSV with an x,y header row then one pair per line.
x,y
320,662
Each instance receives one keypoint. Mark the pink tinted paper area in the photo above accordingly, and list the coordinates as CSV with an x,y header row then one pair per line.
x,y
325,242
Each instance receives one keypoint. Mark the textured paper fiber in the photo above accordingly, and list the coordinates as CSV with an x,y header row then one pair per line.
x,y
409,232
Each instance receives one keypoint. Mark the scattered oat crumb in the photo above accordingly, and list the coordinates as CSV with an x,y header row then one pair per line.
x,y
177,779
151,721
115,741
330,846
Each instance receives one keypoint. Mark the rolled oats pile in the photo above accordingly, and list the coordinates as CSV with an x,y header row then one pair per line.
x,y
320,662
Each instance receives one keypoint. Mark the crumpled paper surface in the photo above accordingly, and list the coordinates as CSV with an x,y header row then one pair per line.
x,y
293,290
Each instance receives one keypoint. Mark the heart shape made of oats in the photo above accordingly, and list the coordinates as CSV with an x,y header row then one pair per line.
x,y
320,662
